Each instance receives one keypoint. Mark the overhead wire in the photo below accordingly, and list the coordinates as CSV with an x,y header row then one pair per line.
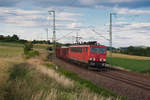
x,y
64,36
97,33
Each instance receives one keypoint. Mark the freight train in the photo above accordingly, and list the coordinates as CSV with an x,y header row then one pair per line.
x,y
93,55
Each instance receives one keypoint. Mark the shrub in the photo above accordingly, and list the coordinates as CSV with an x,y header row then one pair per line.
x,y
32,54
19,71
24,83
28,47
29,52
49,48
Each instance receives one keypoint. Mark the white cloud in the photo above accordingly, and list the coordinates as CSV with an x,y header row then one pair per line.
x,y
34,18
124,34
31,24
135,33
74,25
119,1
67,14
130,11
130,26
88,2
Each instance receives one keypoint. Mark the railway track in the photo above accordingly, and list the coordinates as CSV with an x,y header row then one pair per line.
x,y
131,85
125,77
134,76
119,76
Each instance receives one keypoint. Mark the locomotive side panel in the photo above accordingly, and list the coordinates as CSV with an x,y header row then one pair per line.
x,y
78,53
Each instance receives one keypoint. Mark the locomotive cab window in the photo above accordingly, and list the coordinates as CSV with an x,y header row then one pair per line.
x,y
86,49
76,49
97,50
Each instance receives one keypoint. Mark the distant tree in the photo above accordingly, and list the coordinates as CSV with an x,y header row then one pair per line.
x,y
15,37
1,37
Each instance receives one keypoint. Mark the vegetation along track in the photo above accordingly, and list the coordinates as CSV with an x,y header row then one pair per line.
x,y
120,75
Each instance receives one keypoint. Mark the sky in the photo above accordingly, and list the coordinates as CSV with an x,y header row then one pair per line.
x,y
29,19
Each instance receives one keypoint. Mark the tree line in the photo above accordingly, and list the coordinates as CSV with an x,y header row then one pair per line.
x,y
15,38
41,42
138,51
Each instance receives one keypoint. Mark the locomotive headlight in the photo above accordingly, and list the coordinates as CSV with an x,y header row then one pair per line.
x,y
90,59
104,59
93,59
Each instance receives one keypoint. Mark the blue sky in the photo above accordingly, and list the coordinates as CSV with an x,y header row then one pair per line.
x,y
29,20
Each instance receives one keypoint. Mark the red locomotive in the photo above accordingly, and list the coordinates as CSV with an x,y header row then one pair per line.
x,y
94,55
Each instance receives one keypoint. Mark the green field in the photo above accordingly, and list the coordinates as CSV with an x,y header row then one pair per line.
x,y
11,44
141,66
6,51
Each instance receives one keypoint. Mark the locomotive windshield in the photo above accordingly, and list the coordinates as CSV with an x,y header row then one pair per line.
x,y
98,50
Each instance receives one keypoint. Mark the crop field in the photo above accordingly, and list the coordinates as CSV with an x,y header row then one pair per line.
x,y
119,55
6,51
8,57
138,64
11,44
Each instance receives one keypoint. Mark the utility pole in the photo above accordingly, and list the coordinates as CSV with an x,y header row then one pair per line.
x,y
110,40
73,39
77,38
46,33
54,37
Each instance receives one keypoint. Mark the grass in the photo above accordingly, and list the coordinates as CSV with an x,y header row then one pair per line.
x,y
32,53
131,64
138,64
24,83
6,51
42,46
9,56
62,80
27,83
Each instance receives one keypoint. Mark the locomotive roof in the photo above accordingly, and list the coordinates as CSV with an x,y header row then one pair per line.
x,y
87,46
64,47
